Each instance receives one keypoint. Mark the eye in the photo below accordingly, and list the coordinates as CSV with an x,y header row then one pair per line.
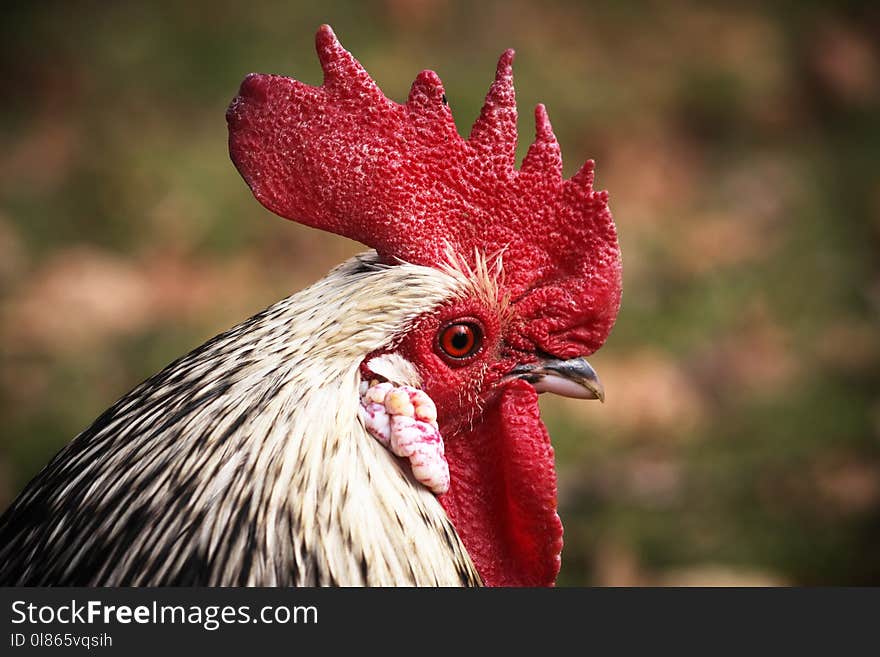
x,y
460,340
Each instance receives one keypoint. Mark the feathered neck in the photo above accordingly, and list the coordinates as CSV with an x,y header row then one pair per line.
x,y
244,463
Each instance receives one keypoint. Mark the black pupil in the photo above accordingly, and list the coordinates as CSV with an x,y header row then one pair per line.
x,y
461,339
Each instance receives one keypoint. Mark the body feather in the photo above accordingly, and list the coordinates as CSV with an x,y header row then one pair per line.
x,y
244,462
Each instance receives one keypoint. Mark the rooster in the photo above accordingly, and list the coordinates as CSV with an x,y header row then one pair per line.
x,y
382,426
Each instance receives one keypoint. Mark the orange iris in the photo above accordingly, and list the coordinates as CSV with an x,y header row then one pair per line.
x,y
460,340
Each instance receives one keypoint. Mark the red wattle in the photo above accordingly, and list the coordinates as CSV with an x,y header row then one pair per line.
x,y
502,496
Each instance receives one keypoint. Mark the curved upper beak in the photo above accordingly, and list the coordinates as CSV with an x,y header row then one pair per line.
x,y
570,378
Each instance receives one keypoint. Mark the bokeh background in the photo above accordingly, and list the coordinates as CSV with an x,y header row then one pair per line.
x,y
740,443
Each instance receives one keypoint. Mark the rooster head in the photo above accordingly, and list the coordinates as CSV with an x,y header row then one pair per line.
x,y
542,252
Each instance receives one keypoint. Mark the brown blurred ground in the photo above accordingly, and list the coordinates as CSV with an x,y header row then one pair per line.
x,y
741,439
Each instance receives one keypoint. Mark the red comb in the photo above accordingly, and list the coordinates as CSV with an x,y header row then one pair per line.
x,y
344,158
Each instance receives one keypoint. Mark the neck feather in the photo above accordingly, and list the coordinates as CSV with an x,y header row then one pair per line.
x,y
244,462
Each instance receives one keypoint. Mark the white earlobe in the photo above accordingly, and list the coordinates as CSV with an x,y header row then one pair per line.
x,y
396,369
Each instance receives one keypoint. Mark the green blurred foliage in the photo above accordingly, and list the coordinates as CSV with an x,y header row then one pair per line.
x,y
741,439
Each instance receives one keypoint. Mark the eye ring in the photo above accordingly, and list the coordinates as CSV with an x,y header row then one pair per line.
x,y
460,340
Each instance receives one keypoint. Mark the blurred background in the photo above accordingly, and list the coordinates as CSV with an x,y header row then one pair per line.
x,y
740,443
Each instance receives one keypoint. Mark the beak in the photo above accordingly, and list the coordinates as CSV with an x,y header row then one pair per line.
x,y
569,378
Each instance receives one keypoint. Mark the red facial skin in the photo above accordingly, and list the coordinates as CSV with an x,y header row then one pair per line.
x,y
398,177
502,496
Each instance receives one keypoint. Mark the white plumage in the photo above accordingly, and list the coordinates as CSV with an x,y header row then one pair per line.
x,y
244,463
